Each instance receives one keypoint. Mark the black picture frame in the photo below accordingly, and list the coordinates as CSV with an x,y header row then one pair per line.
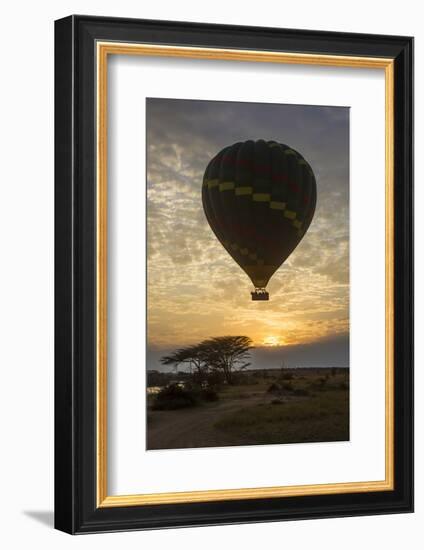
x,y
76,509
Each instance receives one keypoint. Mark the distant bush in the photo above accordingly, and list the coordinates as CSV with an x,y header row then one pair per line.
x,y
209,394
248,380
301,392
201,379
274,389
343,386
174,397
287,386
214,379
244,379
156,378
277,402
320,384
287,376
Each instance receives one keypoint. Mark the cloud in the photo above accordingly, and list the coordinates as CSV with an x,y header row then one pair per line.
x,y
194,288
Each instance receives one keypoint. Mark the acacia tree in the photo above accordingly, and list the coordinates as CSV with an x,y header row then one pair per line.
x,y
190,354
226,354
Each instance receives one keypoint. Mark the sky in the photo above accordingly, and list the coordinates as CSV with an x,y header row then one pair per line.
x,y
195,289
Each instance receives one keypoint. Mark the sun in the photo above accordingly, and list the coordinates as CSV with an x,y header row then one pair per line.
x,y
271,341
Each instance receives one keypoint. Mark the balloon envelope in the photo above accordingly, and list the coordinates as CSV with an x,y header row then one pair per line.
x,y
259,198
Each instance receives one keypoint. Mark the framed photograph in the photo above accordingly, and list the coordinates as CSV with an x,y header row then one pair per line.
x,y
234,274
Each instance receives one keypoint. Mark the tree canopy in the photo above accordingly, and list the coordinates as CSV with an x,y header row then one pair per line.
x,y
221,353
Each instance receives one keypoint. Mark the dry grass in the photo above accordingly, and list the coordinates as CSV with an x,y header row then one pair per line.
x,y
310,406
322,417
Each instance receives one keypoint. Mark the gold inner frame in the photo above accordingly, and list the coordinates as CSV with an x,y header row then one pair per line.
x,y
103,50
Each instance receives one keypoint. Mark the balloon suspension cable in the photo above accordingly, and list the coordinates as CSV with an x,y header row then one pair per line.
x,y
260,294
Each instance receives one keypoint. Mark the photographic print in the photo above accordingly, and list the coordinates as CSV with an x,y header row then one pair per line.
x,y
248,273
228,275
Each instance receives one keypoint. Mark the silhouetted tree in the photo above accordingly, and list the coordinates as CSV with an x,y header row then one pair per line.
x,y
190,354
226,354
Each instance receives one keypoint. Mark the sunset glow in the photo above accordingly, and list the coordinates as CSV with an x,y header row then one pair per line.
x,y
271,341
195,289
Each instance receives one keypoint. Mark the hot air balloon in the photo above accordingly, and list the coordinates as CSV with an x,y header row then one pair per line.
x,y
259,198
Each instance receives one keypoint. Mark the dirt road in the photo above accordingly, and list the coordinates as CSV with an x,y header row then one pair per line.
x,y
194,427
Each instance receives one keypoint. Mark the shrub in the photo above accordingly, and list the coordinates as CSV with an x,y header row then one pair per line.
x,y
320,384
288,386
274,388
209,394
174,397
301,392
287,376
214,379
277,402
343,386
244,379
155,378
